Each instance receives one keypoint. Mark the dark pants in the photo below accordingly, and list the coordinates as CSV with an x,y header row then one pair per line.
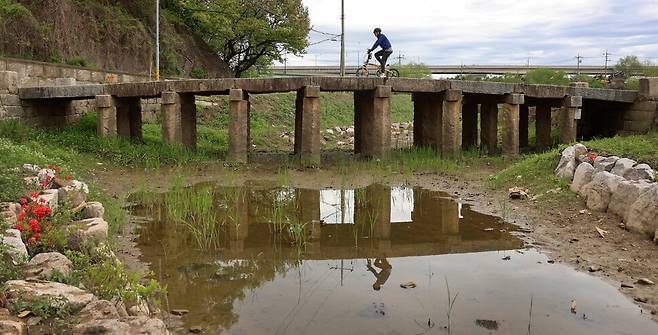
x,y
382,57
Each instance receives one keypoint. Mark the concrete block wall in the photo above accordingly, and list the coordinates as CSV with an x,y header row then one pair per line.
x,y
642,116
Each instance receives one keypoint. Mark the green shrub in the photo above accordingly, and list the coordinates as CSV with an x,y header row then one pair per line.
x,y
198,73
414,70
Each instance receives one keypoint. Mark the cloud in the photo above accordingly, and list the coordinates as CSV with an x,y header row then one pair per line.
x,y
488,32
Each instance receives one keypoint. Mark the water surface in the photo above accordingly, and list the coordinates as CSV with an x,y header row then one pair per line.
x,y
342,272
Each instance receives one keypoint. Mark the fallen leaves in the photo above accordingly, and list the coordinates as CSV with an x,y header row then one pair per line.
x,y
408,285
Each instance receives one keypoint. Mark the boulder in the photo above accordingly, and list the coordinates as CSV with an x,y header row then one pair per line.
x,y
31,168
72,195
12,326
643,213
9,212
567,165
626,194
31,291
17,249
605,163
87,232
94,210
50,197
131,325
44,265
641,172
46,175
99,310
599,191
580,149
582,176
623,166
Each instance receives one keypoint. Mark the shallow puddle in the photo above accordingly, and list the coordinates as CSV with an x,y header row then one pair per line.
x,y
258,260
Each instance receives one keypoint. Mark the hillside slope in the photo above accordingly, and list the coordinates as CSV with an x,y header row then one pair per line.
x,y
106,34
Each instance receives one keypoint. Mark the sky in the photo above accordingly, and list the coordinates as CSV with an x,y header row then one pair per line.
x,y
510,32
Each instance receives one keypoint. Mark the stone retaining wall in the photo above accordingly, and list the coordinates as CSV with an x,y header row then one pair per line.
x,y
16,73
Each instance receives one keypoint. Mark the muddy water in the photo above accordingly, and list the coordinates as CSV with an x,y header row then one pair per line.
x,y
301,261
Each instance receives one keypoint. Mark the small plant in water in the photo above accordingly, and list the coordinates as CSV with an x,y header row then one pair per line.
x,y
450,305
504,209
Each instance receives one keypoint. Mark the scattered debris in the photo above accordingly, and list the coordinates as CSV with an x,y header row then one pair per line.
x,y
573,306
179,312
196,330
627,286
24,314
507,258
584,211
550,261
601,232
408,285
594,268
555,190
574,240
645,281
518,193
641,299
488,229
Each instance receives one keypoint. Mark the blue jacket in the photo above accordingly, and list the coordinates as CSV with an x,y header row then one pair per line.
x,y
383,42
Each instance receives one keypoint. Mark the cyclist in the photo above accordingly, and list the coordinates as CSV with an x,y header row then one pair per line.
x,y
383,54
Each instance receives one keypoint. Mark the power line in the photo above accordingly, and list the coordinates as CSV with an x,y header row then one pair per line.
x,y
579,59
607,55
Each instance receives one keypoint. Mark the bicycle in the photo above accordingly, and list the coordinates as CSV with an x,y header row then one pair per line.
x,y
368,69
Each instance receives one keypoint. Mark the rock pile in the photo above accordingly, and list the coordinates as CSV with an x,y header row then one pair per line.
x,y
615,185
343,136
37,285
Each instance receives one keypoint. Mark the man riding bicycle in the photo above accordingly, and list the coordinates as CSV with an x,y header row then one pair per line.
x,y
383,54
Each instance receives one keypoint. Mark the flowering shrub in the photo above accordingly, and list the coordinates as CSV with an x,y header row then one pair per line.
x,y
34,220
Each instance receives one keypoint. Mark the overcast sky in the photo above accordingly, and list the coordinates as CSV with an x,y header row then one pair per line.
x,y
488,31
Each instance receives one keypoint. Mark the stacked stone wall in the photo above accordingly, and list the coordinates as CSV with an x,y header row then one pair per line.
x,y
15,73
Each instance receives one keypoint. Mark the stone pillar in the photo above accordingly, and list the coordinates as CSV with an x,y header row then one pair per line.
x,y
374,210
451,139
511,123
489,127
449,216
543,127
106,116
239,227
188,120
469,126
308,202
373,122
567,125
307,125
524,115
428,120
172,132
238,128
129,118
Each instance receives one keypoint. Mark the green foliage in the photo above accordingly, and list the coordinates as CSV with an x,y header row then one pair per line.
x,y
244,32
107,278
9,9
591,81
414,70
78,61
198,73
547,77
629,66
169,63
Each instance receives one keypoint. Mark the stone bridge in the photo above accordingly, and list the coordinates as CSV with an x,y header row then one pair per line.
x,y
448,115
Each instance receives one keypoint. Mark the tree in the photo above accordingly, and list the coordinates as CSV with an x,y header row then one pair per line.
x,y
245,33
414,70
547,77
629,65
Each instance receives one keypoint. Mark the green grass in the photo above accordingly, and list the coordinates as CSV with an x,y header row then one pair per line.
x,y
536,171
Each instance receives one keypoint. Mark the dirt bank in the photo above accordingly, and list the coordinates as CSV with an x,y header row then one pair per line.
x,y
563,229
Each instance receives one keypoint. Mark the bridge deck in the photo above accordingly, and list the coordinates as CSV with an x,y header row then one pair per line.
x,y
277,85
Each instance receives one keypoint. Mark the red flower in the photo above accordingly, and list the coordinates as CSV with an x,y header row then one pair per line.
x,y
34,195
69,178
59,169
19,227
23,201
21,216
42,200
51,167
33,222
42,184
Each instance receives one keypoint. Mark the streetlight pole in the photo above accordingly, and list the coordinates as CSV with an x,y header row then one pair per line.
x,y
157,40
342,38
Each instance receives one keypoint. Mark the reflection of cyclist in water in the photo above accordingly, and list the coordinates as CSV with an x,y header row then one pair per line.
x,y
387,50
383,275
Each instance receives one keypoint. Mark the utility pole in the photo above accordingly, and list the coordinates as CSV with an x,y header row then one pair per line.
x,y
400,58
607,59
579,59
157,40
342,38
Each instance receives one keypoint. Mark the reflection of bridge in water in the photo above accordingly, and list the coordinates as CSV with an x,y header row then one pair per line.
x,y
377,221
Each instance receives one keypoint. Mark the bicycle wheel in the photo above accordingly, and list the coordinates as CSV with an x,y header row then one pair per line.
x,y
362,72
393,73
